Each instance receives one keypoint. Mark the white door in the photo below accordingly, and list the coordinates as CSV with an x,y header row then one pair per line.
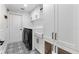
x,y
15,22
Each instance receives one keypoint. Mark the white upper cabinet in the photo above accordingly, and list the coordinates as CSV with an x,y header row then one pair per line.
x,y
76,26
65,26
36,13
48,17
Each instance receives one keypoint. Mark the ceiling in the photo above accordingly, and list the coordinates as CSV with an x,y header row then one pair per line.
x,y
20,7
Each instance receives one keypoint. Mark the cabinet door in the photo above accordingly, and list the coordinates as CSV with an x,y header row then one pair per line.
x,y
41,45
36,42
65,21
48,17
76,26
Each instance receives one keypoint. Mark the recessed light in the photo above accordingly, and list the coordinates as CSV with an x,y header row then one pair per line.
x,y
25,5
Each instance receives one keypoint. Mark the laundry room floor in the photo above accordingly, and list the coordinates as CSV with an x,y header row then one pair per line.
x,y
19,48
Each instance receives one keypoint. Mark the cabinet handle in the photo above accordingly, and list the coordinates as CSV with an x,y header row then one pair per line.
x,y
37,40
55,36
52,35
55,49
42,36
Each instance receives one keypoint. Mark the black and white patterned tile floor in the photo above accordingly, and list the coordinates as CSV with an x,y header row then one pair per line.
x,y
19,48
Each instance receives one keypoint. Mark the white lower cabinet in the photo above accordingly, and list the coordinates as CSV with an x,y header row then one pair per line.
x,y
38,43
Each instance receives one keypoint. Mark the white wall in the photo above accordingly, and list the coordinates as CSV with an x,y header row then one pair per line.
x,y
3,23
